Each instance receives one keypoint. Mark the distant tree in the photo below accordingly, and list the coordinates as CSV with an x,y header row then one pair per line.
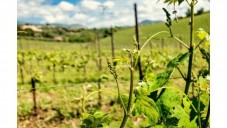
x,y
200,11
106,33
29,32
47,35
188,13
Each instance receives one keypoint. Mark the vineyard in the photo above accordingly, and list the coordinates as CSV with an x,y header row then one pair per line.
x,y
160,81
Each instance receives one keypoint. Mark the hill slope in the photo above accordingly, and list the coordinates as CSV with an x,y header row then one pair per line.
x,y
124,38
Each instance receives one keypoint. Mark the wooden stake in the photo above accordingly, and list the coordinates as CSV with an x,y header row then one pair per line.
x,y
138,42
34,96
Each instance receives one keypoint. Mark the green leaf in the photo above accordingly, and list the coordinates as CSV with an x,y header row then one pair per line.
x,y
97,119
142,89
169,99
176,61
124,98
145,105
173,1
158,126
187,103
204,83
180,1
183,117
162,78
202,34
121,59
206,54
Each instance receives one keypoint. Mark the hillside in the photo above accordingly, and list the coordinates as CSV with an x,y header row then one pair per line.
x,y
125,37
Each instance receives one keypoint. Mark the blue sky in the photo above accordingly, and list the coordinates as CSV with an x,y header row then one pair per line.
x,y
96,13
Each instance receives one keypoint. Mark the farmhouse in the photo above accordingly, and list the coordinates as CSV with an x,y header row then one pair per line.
x,y
32,27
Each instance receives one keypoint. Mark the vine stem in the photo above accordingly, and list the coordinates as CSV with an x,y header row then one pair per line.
x,y
180,41
119,96
130,93
207,116
198,109
139,52
191,49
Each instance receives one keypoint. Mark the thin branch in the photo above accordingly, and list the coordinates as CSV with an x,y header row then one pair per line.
x,y
180,42
196,2
200,42
181,74
188,2
139,52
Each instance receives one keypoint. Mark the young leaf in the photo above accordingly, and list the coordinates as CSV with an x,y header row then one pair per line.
x,y
145,105
97,119
203,35
124,98
173,1
206,54
162,78
184,118
169,99
187,105
176,61
142,89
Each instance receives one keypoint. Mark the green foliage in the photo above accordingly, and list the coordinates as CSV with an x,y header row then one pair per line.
x,y
106,33
200,11
188,13
203,35
183,117
206,54
178,60
146,106
168,20
47,35
162,78
29,32
173,1
95,120
124,98
142,89
169,99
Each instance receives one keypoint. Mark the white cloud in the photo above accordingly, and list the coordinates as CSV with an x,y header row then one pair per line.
x,y
109,4
80,16
90,4
65,6
89,13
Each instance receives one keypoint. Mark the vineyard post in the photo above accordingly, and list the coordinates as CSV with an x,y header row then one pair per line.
x,y
21,73
54,70
138,42
112,43
99,70
34,96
